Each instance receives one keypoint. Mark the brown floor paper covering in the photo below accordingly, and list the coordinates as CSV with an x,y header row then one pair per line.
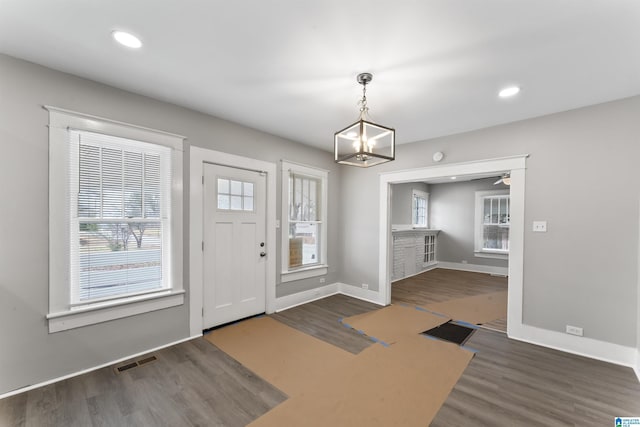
x,y
401,385
391,323
287,358
476,309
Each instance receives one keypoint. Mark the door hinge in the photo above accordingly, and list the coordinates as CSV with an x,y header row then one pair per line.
x,y
202,311
203,245
202,179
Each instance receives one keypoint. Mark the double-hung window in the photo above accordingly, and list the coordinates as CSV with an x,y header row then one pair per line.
x,y
419,208
304,224
492,223
114,220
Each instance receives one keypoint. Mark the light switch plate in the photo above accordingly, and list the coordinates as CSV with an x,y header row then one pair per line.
x,y
540,226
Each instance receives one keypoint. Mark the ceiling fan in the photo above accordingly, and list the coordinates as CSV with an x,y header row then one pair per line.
x,y
504,179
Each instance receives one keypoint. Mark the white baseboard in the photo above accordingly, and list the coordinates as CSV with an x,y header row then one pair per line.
x,y
581,346
294,300
84,371
361,294
304,297
475,268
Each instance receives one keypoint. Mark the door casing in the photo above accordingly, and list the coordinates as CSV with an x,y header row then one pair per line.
x,y
197,158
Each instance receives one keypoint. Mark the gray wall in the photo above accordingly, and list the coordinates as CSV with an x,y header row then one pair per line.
x,y
583,271
402,201
452,210
29,353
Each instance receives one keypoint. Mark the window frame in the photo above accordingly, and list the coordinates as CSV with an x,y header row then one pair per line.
x,y
415,194
63,314
479,251
322,267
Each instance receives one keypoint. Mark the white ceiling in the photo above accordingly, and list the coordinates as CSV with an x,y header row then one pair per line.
x,y
288,67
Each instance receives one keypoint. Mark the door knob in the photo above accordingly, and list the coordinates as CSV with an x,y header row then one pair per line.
x,y
263,254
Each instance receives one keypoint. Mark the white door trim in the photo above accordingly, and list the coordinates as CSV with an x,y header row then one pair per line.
x,y
197,157
516,165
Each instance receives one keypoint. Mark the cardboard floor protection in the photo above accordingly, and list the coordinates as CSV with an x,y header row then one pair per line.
x,y
476,309
391,323
287,358
404,384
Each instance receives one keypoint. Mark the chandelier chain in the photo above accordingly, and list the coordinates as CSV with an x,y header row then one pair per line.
x,y
364,109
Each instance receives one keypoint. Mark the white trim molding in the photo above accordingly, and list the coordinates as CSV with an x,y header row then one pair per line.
x,y
361,294
94,368
322,175
197,158
515,164
582,346
476,268
636,368
62,314
293,300
114,310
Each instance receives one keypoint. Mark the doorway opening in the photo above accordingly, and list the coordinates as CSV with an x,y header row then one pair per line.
x,y
515,166
450,240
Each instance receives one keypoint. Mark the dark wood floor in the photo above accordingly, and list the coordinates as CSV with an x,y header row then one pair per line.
x,y
507,383
442,285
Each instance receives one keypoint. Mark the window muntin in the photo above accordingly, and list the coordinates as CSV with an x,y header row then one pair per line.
x,y
119,217
235,195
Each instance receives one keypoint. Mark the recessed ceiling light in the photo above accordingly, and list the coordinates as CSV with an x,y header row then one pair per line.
x,y
454,177
509,91
127,39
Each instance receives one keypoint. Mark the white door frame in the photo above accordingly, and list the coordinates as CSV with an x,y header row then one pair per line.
x,y
516,165
197,158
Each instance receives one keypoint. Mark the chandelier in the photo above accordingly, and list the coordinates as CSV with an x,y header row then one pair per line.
x,y
364,143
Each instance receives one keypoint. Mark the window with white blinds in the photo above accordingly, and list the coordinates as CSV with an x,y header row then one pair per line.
x,y
120,199
115,220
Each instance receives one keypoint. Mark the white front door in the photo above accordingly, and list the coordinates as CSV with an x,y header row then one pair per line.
x,y
234,244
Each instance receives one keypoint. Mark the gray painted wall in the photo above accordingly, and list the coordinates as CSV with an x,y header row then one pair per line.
x,y
402,200
29,353
583,271
452,210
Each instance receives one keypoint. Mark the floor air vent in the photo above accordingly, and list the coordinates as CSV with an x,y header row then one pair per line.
x,y
135,364
451,331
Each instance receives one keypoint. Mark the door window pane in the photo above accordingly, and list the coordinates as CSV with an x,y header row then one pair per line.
x,y
235,195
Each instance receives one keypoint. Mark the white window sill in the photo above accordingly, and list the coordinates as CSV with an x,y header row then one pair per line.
x,y
492,255
304,273
111,310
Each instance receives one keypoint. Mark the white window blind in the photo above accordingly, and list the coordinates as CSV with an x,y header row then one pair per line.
x,y
119,208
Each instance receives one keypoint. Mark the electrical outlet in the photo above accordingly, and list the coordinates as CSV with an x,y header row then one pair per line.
x,y
365,286
322,280
540,226
574,330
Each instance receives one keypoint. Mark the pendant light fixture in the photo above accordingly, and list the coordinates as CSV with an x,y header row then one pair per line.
x,y
364,143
